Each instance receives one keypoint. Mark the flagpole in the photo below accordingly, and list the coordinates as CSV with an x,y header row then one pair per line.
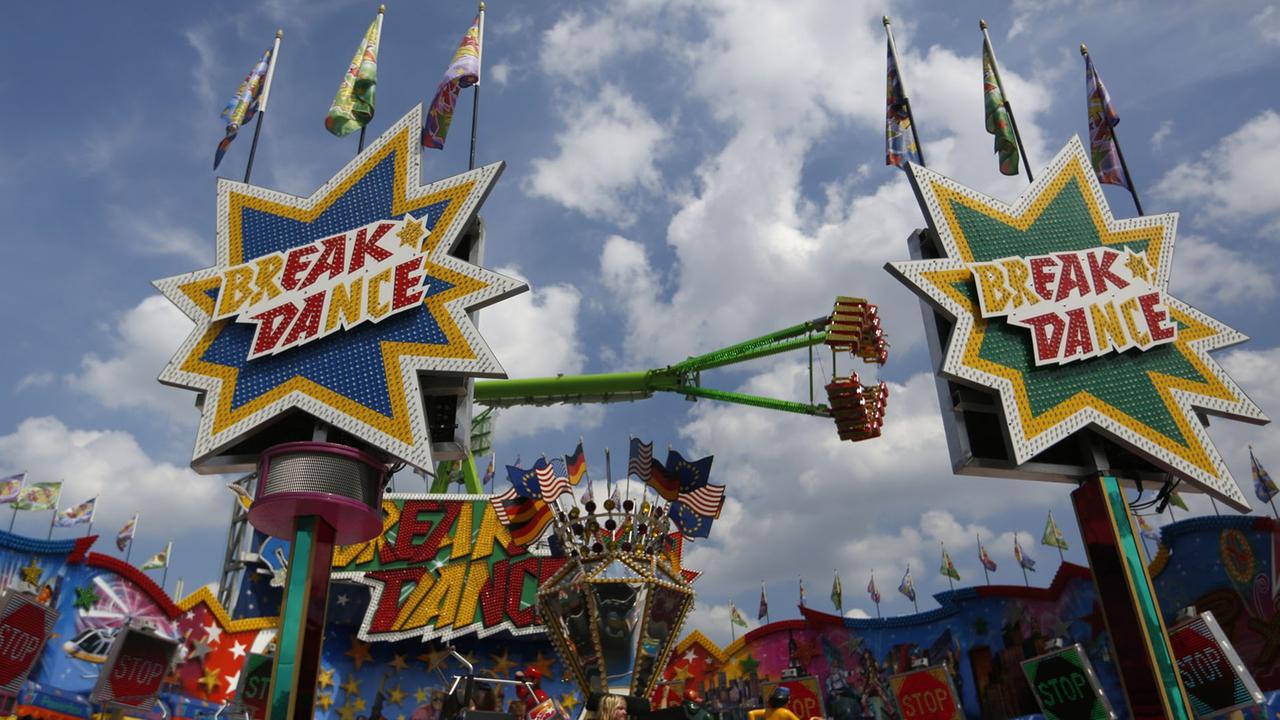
x,y
382,10
1133,192
906,98
1025,580
128,551
262,104
14,517
985,572
995,67
475,95
1214,503
733,632
608,475
51,519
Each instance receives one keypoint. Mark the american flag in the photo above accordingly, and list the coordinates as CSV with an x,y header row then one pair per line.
x,y
553,480
641,461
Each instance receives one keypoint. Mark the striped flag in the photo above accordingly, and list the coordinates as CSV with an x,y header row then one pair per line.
x,y
526,518
553,480
11,488
698,502
463,71
640,462
577,464
125,536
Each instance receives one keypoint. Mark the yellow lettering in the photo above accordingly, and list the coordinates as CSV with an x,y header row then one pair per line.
x,y
442,602
374,306
344,304
268,279
362,553
461,535
1019,277
414,613
237,288
477,576
1127,310
991,288
490,530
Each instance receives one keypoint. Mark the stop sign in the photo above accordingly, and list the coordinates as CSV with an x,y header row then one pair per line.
x,y
926,694
1065,685
1215,679
135,669
255,685
24,625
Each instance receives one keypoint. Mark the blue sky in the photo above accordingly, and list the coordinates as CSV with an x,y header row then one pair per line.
x,y
681,175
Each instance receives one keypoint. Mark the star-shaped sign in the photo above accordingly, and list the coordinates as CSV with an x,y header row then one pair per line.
x,y
210,680
32,573
334,304
324,701
359,653
569,702
324,679
503,663
1064,311
396,696
748,664
86,598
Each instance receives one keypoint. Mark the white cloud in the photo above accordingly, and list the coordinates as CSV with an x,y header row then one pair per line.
x,y
110,465
577,46
535,334
1161,134
143,340
153,232
1267,23
606,157
204,70
499,73
1235,180
1205,271
31,380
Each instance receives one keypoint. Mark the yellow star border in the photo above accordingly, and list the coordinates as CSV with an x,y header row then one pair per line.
x,y
936,280
402,434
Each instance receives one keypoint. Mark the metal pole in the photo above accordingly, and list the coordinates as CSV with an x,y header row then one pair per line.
x,y
13,517
1215,506
51,519
995,67
906,99
475,96
128,551
262,105
1061,558
1272,500
360,147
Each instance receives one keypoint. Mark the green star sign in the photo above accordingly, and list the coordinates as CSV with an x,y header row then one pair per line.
x,y
1064,311
86,598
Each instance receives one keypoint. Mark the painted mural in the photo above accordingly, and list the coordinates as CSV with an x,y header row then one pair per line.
x,y
837,667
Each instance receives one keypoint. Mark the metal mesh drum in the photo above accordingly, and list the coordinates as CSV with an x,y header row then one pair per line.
x,y
340,484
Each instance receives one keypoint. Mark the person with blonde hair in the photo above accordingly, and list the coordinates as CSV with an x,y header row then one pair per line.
x,y
612,707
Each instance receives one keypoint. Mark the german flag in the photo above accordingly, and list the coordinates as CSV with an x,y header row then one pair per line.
x,y
527,520
577,465
664,481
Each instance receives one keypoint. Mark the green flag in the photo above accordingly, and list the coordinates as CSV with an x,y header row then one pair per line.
x,y
39,496
1053,535
352,107
998,122
735,616
1176,500
948,568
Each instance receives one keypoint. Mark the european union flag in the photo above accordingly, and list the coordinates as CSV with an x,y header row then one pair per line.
x,y
690,475
525,482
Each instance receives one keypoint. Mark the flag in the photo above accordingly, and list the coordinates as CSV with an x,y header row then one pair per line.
x,y
906,587
526,518
75,515
698,502
242,494
1023,559
352,107
801,592
159,560
243,106
11,488
640,461
1053,534
125,536
764,605
985,559
735,616
463,71
872,591
1147,531
553,479
577,464
837,594
525,482
899,137
39,496
1263,486
948,568
1176,500
1103,118
662,480
489,471
998,121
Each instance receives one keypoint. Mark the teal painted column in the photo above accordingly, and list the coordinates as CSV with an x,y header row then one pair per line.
x,y
302,617
1139,639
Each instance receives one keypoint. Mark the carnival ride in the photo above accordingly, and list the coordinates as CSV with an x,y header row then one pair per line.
x,y
853,327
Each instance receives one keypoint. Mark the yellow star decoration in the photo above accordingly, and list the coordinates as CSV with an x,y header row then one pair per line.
x,y
359,653
210,680
450,203
569,702
32,573
324,701
324,679
347,712
543,664
400,716
433,657
1070,183
502,664
420,695
396,696
358,703
411,232
1137,264
352,685
397,662
682,673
